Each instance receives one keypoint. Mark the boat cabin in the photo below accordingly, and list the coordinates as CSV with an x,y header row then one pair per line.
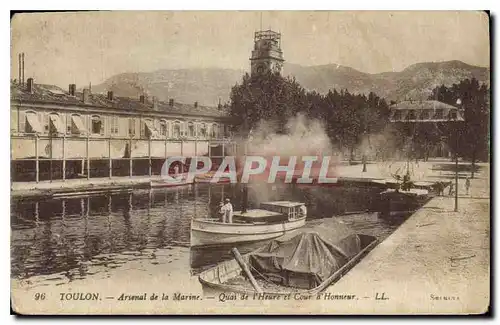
x,y
290,209
270,212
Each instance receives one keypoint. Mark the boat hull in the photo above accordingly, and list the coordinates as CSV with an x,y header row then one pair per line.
x,y
214,280
210,233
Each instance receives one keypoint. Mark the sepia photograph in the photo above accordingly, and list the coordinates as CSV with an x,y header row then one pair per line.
x,y
250,162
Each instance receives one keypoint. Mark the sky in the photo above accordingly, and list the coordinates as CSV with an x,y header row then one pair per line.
x,y
89,47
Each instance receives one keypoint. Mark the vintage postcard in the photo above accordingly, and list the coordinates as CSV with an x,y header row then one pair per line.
x,y
250,162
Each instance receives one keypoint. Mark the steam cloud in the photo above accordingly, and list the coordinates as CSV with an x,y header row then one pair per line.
x,y
302,137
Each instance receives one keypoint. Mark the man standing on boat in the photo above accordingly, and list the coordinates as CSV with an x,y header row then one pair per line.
x,y
222,213
227,209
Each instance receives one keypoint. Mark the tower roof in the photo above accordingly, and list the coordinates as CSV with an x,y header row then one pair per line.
x,y
267,34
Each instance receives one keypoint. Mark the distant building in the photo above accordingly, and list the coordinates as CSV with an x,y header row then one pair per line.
x,y
430,111
58,134
419,118
267,54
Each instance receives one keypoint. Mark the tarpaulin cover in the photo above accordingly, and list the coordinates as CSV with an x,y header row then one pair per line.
x,y
308,256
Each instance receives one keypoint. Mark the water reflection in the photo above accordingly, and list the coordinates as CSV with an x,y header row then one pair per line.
x,y
74,236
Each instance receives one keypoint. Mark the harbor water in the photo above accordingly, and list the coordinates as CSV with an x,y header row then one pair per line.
x,y
68,238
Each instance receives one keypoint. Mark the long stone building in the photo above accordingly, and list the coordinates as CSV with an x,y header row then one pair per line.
x,y
61,134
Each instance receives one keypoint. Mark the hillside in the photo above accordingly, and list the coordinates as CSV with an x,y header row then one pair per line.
x,y
208,85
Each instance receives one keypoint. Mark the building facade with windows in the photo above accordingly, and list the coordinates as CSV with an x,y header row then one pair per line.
x,y
59,135
429,125
428,111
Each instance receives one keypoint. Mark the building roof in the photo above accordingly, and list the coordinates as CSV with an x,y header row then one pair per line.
x,y
51,94
422,104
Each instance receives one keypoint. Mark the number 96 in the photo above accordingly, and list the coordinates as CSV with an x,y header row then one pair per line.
x,y
39,296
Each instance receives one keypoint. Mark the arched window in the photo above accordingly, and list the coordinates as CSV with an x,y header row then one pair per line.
x,y
163,128
177,129
190,129
75,125
203,130
412,115
55,124
147,128
114,124
424,115
215,130
29,123
97,125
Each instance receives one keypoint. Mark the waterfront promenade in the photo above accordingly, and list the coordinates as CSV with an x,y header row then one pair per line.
x,y
438,261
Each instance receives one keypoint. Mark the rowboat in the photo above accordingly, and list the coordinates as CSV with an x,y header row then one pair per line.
x,y
305,264
161,182
208,178
271,220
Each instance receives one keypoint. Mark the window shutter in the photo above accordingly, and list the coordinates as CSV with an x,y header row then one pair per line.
x,y
68,124
103,125
46,122
130,126
22,122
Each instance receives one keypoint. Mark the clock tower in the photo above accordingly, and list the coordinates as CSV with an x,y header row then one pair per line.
x,y
266,55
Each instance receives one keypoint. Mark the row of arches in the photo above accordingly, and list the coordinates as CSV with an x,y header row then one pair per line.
x,y
74,124
177,129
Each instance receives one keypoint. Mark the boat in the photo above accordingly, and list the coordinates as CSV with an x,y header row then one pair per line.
x,y
271,220
208,178
401,202
305,264
161,182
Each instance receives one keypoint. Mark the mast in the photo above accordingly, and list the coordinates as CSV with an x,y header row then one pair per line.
x,y
244,187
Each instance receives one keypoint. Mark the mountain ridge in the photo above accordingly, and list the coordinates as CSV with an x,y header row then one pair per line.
x,y
209,85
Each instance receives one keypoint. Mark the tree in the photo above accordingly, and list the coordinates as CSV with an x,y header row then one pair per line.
x,y
427,135
475,100
267,97
276,99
